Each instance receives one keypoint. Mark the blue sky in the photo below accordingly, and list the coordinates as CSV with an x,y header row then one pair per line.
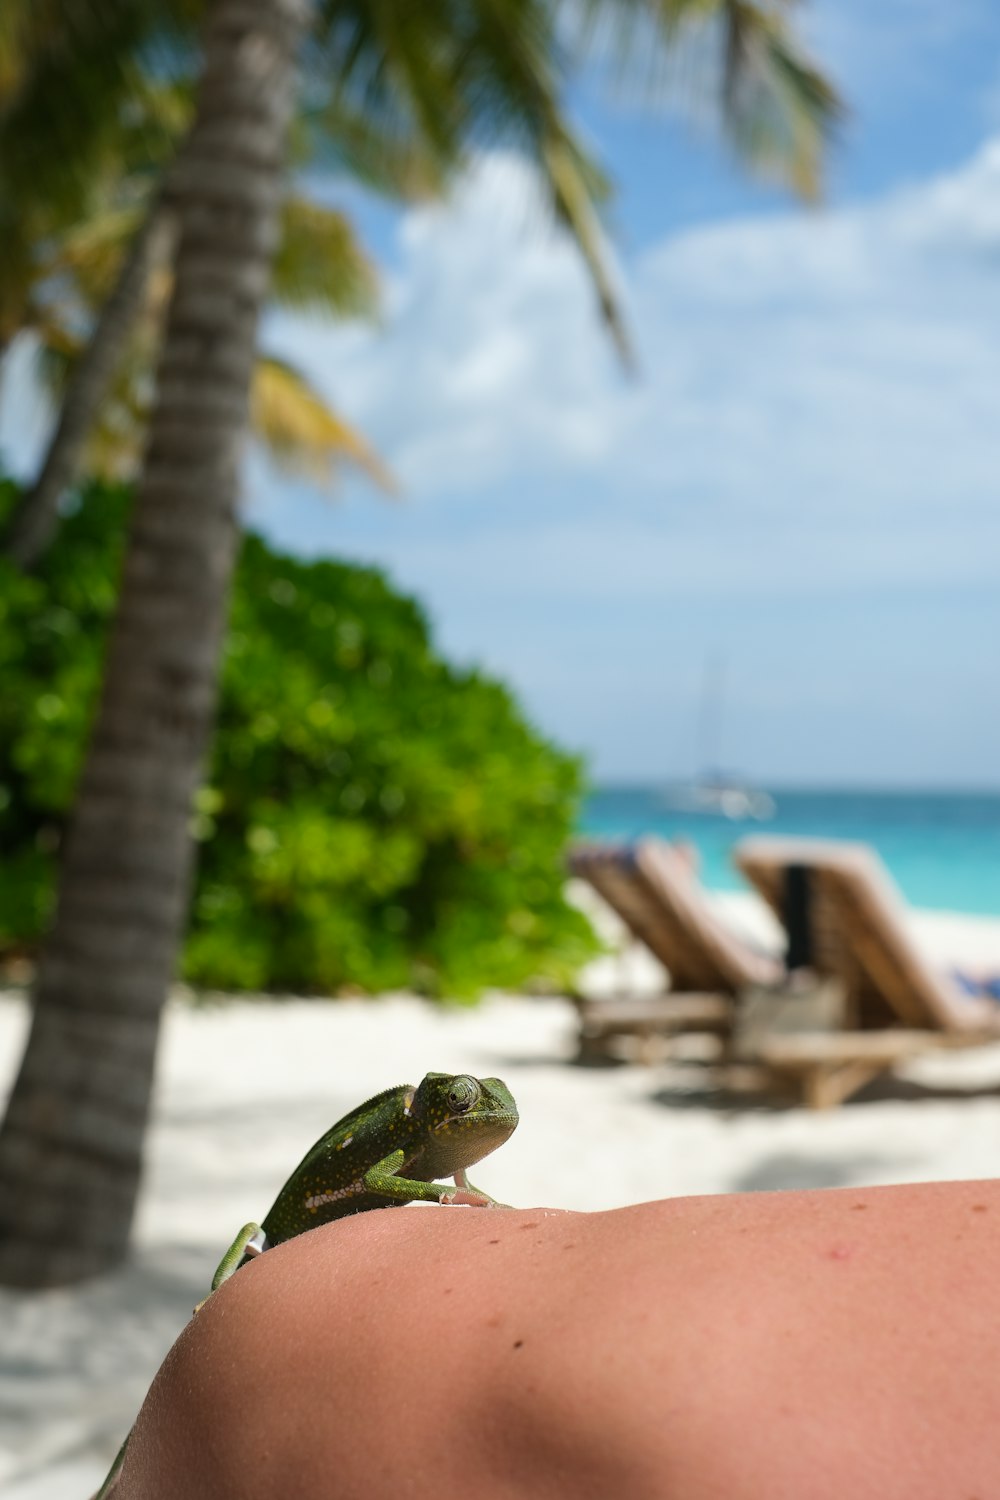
x,y
802,481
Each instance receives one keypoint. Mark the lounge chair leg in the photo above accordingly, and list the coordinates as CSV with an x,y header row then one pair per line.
x,y
826,1086
591,1048
648,1048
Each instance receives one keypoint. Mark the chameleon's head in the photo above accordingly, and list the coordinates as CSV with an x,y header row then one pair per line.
x,y
465,1118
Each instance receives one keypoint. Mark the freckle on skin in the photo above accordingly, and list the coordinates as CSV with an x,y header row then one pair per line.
x,y
529,1226
570,1246
839,1252
519,1343
494,1242
979,1208
859,1208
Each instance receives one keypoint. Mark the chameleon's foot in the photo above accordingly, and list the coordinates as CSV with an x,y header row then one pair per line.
x,y
471,1196
468,1200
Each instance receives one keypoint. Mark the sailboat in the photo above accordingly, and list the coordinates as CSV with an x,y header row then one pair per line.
x,y
716,792
722,795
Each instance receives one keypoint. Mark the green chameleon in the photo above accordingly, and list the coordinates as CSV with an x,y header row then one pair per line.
x,y
385,1153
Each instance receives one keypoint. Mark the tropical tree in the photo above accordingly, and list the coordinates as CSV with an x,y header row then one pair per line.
x,y
93,294
453,74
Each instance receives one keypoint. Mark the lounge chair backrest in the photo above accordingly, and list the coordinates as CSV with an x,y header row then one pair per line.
x,y
660,900
858,932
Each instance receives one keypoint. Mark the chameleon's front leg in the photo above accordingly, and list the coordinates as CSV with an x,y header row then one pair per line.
x,y
382,1179
462,1181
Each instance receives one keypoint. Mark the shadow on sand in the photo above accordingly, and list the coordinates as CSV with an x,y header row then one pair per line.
x,y
787,1170
701,1089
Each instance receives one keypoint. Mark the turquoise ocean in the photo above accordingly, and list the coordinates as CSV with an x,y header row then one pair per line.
x,y
942,848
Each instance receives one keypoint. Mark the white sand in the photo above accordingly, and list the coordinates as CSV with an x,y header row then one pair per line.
x,y
246,1087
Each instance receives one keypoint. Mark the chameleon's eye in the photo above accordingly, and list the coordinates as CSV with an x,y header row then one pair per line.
x,y
462,1094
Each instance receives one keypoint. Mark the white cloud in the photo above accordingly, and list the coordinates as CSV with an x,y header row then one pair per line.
x,y
815,419
818,381
804,473
489,306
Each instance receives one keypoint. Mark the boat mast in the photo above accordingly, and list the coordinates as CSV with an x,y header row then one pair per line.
x,y
710,718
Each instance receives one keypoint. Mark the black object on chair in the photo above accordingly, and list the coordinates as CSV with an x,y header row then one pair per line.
x,y
797,916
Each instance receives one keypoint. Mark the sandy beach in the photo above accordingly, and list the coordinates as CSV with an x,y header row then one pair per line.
x,y
244,1088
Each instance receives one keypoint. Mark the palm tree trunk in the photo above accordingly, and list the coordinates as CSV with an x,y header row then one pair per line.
x,y
34,521
71,1144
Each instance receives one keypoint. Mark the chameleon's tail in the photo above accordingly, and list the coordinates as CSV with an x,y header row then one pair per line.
x,y
111,1477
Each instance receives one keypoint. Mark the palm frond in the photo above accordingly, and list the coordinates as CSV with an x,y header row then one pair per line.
x,y
778,107
289,416
511,78
463,73
302,433
78,68
63,236
575,185
385,155
775,106
93,250
320,263
395,63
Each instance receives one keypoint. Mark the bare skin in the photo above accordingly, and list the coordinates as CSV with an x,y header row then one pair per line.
x,y
782,1345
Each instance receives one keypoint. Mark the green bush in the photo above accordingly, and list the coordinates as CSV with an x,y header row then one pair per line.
x,y
373,817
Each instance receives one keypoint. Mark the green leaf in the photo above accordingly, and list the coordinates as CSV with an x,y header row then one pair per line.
x,y
320,264
372,816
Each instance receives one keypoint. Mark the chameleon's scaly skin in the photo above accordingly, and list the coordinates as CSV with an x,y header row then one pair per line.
x,y
442,1127
385,1153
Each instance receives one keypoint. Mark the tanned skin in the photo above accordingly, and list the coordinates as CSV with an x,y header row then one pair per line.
x,y
778,1345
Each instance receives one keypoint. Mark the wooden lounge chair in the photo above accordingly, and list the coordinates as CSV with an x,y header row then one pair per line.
x,y
655,893
846,920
